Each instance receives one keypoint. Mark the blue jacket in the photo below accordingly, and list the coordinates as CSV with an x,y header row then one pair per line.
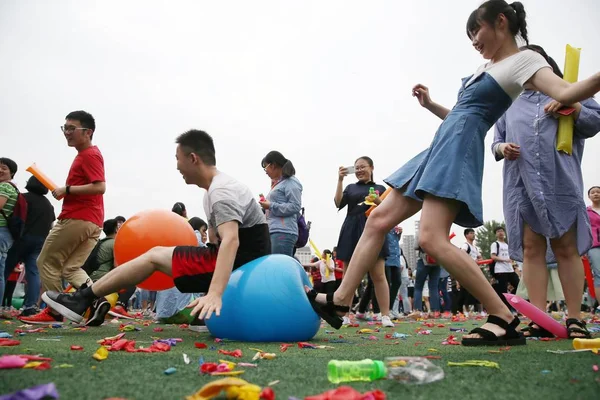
x,y
286,202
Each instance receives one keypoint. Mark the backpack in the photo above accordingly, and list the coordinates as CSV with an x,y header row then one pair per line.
x,y
303,230
493,263
91,263
16,222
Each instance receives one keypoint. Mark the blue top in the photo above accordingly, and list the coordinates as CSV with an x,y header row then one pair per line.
x,y
452,166
355,221
543,187
394,251
286,202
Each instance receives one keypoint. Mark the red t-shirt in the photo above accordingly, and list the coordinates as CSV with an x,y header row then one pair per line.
x,y
338,274
88,167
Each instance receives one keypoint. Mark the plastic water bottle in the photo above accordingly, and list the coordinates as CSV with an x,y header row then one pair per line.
x,y
412,370
348,371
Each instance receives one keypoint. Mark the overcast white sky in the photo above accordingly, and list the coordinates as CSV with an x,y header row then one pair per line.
x,y
324,82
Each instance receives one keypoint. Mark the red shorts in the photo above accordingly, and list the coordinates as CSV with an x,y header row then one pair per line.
x,y
193,268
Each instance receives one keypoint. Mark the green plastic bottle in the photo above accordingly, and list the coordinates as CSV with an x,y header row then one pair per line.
x,y
348,371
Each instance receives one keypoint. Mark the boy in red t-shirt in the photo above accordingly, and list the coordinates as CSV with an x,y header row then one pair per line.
x,y
77,230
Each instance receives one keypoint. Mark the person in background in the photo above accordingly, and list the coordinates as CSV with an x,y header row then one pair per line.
x,y
283,203
393,266
542,186
326,267
339,268
179,209
593,254
74,236
355,195
200,228
11,284
8,199
315,274
40,218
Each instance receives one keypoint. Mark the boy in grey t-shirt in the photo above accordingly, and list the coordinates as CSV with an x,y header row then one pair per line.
x,y
238,233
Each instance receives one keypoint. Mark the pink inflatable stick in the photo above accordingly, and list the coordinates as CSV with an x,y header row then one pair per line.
x,y
536,315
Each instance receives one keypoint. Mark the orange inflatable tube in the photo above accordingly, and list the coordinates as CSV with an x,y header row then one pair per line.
x,y
35,171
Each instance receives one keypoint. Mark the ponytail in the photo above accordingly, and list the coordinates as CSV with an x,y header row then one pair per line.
x,y
521,23
287,169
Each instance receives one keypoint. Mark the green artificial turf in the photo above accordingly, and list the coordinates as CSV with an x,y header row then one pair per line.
x,y
525,372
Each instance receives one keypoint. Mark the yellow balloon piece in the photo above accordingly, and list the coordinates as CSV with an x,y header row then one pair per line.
x,y
213,389
33,364
564,138
112,299
101,354
475,363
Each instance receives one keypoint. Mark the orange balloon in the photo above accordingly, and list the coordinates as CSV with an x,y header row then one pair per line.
x,y
147,230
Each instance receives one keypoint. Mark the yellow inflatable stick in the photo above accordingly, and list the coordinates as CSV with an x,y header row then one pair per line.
x,y
318,253
564,139
314,247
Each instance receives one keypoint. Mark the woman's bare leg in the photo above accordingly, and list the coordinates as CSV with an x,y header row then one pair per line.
x,y
393,210
570,270
382,289
436,221
535,269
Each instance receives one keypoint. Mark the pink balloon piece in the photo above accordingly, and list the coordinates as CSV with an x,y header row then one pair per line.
x,y
10,361
536,315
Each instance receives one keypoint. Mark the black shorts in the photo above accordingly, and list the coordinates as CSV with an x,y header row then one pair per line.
x,y
193,267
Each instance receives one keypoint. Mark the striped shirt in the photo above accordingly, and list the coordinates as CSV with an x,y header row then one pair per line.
x,y
9,192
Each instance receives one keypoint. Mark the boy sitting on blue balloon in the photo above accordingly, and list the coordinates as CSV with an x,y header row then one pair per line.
x,y
235,222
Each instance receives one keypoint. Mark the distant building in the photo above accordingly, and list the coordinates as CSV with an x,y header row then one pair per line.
x,y
408,249
304,255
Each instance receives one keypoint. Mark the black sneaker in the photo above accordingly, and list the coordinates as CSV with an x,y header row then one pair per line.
x,y
71,305
98,310
28,312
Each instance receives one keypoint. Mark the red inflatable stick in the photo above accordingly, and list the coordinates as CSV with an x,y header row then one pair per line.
x,y
588,276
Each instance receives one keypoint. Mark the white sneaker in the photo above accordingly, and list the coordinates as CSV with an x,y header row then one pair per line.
x,y
387,322
361,316
377,317
346,320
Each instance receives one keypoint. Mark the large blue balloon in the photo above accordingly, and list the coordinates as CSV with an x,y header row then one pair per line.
x,y
265,301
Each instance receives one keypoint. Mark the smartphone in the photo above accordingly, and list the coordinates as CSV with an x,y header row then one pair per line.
x,y
351,170
566,111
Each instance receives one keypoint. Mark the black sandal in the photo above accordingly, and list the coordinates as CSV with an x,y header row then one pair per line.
x,y
581,329
488,338
327,311
538,332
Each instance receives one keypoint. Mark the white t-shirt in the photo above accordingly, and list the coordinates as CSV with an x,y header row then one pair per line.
x,y
229,200
512,72
323,268
472,250
404,271
501,267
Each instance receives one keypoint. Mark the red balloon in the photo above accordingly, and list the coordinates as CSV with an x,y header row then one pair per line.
x,y
147,230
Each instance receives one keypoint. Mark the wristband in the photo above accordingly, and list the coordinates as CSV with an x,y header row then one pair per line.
x,y
68,189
